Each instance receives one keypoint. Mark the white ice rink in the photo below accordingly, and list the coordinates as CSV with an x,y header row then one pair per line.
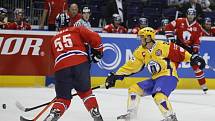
x,y
189,105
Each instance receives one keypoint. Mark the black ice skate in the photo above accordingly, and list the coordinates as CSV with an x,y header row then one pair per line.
x,y
96,114
170,118
54,115
204,88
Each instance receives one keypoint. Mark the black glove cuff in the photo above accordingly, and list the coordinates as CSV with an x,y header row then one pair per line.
x,y
96,53
197,60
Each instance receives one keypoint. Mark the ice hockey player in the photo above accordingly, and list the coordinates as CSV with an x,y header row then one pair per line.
x,y
209,29
161,30
115,27
72,68
3,15
188,32
20,22
159,57
142,22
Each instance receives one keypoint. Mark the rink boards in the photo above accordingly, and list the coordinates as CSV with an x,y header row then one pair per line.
x,y
118,49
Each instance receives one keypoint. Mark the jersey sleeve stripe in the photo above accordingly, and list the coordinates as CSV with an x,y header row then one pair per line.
x,y
99,47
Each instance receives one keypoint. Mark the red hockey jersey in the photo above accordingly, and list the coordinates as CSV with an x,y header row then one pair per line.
x,y
135,30
187,34
110,28
68,46
15,26
211,32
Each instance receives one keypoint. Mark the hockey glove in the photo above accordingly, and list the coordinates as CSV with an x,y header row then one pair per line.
x,y
111,80
197,60
96,55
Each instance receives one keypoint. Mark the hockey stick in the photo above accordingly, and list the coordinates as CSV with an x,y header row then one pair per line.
x,y
24,109
48,105
41,112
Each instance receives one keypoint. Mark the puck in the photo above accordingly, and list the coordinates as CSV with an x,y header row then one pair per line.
x,y
4,106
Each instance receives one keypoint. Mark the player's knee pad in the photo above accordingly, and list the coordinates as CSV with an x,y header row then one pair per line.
x,y
163,103
61,104
135,89
89,99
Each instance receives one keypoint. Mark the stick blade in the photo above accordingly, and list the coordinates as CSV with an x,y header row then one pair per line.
x,y
24,119
20,106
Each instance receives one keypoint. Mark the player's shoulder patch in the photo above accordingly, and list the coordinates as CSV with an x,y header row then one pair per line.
x,y
158,52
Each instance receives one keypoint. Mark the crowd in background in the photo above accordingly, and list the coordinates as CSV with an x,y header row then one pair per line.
x,y
117,16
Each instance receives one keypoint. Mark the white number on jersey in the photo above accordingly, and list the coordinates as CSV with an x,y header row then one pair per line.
x,y
67,42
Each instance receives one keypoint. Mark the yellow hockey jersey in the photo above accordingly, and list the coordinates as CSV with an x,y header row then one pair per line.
x,y
161,60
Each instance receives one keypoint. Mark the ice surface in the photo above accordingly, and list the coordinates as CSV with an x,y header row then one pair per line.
x,y
189,105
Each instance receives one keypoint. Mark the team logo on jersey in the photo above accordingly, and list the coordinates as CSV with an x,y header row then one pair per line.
x,y
153,67
158,52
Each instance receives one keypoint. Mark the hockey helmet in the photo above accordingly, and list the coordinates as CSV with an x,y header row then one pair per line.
x,y
116,18
86,10
207,20
62,20
19,11
164,22
143,21
3,11
147,31
191,11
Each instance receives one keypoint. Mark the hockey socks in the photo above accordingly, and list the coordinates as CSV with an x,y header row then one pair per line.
x,y
200,76
134,96
61,105
91,104
163,104
89,99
